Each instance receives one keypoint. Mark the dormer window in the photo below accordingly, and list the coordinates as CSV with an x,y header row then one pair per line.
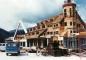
x,y
37,32
69,1
43,26
51,20
41,22
49,25
33,33
46,21
30,29
38,27
33,28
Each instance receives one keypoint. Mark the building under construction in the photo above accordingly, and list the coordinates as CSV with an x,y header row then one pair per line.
x,y
68,28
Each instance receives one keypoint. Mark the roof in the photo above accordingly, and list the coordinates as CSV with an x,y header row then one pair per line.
x,y
84,24
82,35
57,18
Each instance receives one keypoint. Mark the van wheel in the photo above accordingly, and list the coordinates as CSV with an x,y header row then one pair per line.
x,y
7,54
16,54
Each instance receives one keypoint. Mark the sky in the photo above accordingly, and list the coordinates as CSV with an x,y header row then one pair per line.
x,y
32,11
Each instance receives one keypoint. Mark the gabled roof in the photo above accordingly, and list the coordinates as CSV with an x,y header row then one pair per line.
x,y
78,16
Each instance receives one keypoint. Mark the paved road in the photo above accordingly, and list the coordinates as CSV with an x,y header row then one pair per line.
x,y
33,56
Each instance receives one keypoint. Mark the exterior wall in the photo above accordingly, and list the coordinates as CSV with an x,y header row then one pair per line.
x,y
69,27
81,41
72,18
52,29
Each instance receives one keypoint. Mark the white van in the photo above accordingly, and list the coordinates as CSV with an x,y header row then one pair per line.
x,y
2,46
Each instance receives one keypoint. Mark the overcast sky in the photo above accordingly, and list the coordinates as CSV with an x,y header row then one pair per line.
x,y
32,11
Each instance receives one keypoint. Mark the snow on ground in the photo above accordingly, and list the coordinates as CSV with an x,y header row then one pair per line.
x,y
33,56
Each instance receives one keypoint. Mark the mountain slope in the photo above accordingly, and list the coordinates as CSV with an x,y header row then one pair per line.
x,y
3,35
19,32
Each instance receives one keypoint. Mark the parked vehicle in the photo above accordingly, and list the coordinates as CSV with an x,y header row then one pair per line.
x,y
13,45
2,47
12,48
54,50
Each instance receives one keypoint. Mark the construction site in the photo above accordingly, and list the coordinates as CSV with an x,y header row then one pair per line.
x,y
60,35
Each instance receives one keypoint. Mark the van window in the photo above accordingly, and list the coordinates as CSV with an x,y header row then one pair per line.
x,y
8,44
14,45
0,44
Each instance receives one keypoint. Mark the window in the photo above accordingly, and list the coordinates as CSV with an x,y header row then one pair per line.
x,y
79,25
43,26
68,1
70,12
70,23
65,23
28,33
33,28
49,25
14,45
47,32
74,31
3,44
61,43
38,27
70,31
51,33
37,32
23,43
56,32
76,15
65,14
33,33
74,11
54,25
46,21
0,44
74,23
8,45
41,22
30,29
